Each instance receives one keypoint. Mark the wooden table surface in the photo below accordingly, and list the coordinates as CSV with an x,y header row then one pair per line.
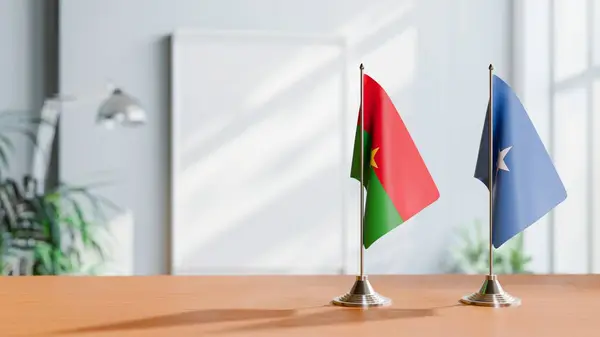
x,y
292,306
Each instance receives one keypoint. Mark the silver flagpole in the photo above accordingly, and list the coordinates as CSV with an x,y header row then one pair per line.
x,y
362,170
491,293
491,168
362,293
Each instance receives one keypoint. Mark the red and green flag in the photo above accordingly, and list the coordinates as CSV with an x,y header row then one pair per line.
x,y
397,182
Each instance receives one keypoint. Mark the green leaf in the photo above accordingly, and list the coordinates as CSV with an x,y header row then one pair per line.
x,y
6,141
6,147
96,246
74,258
46,215
4,158
43,253
30,135
83,224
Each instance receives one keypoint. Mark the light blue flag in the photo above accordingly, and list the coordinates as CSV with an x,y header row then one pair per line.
x,y
526,185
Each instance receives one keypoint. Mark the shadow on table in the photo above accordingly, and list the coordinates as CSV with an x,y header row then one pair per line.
x,y
335,317
185,318
282,319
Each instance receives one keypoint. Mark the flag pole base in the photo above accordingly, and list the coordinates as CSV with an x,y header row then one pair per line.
x,y
492,295
361,295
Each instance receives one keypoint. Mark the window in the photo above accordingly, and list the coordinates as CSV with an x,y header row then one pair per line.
x,y
557,76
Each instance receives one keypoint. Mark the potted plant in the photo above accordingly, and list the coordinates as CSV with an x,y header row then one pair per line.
x,y
53,232
472,254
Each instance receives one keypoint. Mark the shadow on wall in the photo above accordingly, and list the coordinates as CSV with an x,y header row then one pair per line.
x,y
444,109
260,238
279,203
414,56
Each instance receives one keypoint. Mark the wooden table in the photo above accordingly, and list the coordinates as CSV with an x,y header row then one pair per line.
x,y
565,306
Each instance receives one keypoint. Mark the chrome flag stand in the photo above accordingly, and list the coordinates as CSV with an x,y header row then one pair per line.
x,y
491,293
362,293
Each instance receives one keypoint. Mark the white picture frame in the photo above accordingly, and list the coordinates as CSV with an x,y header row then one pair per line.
x,y
239,256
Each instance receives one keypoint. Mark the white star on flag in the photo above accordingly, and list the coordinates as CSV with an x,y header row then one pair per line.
x,y
501,163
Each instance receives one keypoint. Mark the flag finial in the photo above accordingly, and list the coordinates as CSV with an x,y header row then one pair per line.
x,y
362,67
491,67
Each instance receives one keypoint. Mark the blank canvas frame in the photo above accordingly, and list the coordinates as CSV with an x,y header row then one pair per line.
x,y
260,153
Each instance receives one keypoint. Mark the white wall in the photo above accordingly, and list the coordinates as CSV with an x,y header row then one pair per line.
x,y
22,72
431,56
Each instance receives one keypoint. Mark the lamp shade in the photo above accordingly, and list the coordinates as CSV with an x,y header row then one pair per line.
x,y
122,109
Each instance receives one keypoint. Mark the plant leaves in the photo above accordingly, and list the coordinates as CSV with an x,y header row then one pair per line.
x,y
65,231
6,147
473,253
43,253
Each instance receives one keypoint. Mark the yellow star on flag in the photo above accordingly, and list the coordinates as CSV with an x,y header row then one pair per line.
x,y
373,152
